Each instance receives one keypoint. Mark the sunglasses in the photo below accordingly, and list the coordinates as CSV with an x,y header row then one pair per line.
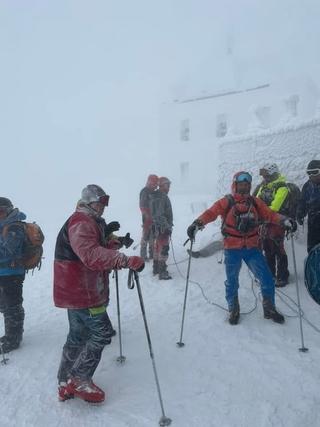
x,y
244,177
313,172
104,200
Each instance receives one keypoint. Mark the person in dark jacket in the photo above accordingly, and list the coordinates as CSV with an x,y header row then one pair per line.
x,y
274,192
145,198
12,274
241,215
162,223
84,256
309,204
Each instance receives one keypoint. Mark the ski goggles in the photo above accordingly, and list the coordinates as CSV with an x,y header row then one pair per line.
x,y
104,200
313,172
243,177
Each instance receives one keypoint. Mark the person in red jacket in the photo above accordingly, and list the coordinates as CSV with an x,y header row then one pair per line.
x,y
145,200
84,256
241,216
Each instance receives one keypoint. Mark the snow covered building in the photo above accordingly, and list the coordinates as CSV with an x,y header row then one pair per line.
x,y
204,138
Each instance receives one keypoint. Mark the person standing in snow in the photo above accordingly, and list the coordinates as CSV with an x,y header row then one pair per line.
x,y
84,256
162,218
241,215
145,198
12,274
309,204
274,192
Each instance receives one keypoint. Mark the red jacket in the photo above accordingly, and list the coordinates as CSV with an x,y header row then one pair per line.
x,y
239,240
83,262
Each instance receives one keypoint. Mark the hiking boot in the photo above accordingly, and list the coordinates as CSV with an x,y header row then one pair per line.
x,y
85,390
234,312
155,267
163,272
270,312
164,275
63,392
8,345
280,283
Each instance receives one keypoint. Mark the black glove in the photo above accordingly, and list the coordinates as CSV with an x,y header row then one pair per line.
x,y
126,240
111,227
290,225
300,220
193,228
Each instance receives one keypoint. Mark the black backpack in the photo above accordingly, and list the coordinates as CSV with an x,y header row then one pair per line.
x,y
290,205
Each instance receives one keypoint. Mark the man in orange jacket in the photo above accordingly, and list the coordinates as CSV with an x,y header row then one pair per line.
x,y
241,215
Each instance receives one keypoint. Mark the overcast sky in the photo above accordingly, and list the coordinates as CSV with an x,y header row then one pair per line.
x,y
81,81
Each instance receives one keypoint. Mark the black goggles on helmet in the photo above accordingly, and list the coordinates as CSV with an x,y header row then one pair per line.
x,y
313,172
104,200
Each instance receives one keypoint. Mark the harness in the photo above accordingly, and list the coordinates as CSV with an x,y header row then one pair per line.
x,y
245,221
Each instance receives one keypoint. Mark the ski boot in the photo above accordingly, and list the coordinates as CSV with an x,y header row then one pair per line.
x,y
63,392
85,390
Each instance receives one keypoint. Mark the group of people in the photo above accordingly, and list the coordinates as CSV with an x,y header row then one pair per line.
x,y
87,249
253,224
157,223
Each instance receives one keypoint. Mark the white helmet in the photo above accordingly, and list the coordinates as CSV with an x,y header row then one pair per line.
x,y
269,169
93,193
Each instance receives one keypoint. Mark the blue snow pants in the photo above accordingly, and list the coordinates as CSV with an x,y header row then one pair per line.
x,y
257,263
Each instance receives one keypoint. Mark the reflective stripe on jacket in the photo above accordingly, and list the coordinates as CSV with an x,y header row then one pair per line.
x,y
278,194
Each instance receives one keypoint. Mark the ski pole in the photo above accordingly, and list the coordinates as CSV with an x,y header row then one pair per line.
x,y
302,348
4,360
121,359
135,246
164,420
180,343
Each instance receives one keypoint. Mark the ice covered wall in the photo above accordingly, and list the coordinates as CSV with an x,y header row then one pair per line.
x,y
291,147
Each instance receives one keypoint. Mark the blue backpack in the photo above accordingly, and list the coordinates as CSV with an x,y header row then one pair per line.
x,y
312,273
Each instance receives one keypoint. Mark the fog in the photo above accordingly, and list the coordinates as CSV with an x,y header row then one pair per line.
x,y
81,83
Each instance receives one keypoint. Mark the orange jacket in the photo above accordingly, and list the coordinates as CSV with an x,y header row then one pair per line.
x,y
240,240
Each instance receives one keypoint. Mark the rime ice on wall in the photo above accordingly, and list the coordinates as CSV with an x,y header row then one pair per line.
x,y
291,147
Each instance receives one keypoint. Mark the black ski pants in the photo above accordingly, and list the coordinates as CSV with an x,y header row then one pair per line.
x,y
313,231
11,300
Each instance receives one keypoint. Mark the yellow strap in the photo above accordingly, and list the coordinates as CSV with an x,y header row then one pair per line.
x,y
97,310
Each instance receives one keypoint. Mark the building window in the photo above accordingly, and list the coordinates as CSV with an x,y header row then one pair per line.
x,y
184,171
185,130
221,129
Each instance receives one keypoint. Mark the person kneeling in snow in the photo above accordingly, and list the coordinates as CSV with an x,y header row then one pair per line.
x,y
241,215
84,256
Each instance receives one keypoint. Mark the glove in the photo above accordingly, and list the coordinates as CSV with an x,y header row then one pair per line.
x,y
126,240
290,225
112,226
135,263
193,228
300,220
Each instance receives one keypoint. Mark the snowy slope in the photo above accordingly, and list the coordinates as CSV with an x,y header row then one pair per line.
x,y
247,375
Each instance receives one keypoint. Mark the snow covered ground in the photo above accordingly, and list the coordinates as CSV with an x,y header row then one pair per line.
x,y
247,375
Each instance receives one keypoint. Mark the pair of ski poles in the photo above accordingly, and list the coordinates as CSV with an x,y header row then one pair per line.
x,y
180,343
133,279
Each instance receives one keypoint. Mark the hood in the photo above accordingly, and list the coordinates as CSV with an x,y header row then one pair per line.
x,y
14,216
